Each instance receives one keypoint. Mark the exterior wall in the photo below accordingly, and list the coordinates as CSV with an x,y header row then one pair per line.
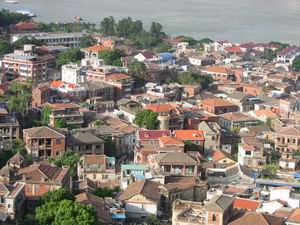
x,y
139,206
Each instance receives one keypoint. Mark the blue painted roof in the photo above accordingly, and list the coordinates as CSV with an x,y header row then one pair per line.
x,y
166,56
118,216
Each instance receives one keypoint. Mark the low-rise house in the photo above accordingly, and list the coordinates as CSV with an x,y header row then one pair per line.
x,y
219,72
212,134
39,179
236,120
12,202
141,199
223,158
40,95
218,106
271,207
195,137
72,74
67,112
147,56
170,116
98,204
131,173
8,174
9,127
285,194
98,168
264,115
43,142
245,101
85,143
176,163
252,89
93,51
249,155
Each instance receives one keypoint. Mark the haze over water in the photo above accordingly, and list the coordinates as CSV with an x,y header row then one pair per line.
x,y
235,20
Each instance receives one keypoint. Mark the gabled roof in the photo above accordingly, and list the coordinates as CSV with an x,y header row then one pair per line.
x,y
266,113
217,102
95,48
117,76
147,188
17,159
165,140
219,154
249,204
152,134
250,218
189,135
84,138
148,54
219,203
160,108
63,106
180,158
237,117
98,205
238,95
294,216
93,159
38,172
218,69
289,130
43,132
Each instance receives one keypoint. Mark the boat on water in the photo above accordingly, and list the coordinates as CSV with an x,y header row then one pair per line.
x,y
11,1
78,18
26,12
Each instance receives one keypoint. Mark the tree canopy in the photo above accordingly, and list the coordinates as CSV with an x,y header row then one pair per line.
x,y
72,55
5,47
56,196
68,158
107,26
65,212
86,41
194,78
7,18
146,119
112,57
296,64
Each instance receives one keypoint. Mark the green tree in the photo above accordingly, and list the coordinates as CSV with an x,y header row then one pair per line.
x,y
296,153
29,219
296,64
98,123
152,220
109,146
26,41
46,112
112,57
156,29
106,192
274,157
68,158
10,148
8,18
72,55
162,47
269,54
60,123
5,47
194,78
139,71
269,122
107,26
65,212
146,40
205,41
189,146
86,41
146,119
56,196
127,27
190,40
270,170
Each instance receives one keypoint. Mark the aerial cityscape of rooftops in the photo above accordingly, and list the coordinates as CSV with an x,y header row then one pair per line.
x,y
116,124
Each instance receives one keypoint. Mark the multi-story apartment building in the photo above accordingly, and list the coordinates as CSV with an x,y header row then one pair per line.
x,y
24,64
98,168
219,72
67,112
43,142
287,142
252,157
9,127
72,74
53,38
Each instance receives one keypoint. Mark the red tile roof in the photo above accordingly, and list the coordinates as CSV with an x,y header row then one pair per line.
x,y
152,134
217,102
189,135
95,48
241,203
218,69
234,50
166,140
160,108
295,216
117,76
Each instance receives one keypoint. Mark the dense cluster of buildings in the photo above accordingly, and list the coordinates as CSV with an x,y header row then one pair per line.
x,y
226,154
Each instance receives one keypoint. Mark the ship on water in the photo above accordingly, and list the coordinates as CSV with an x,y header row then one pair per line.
x,y
11,1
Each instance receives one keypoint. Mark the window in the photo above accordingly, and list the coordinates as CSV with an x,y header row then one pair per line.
x,y
37,188
94,176
58,141
214,217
